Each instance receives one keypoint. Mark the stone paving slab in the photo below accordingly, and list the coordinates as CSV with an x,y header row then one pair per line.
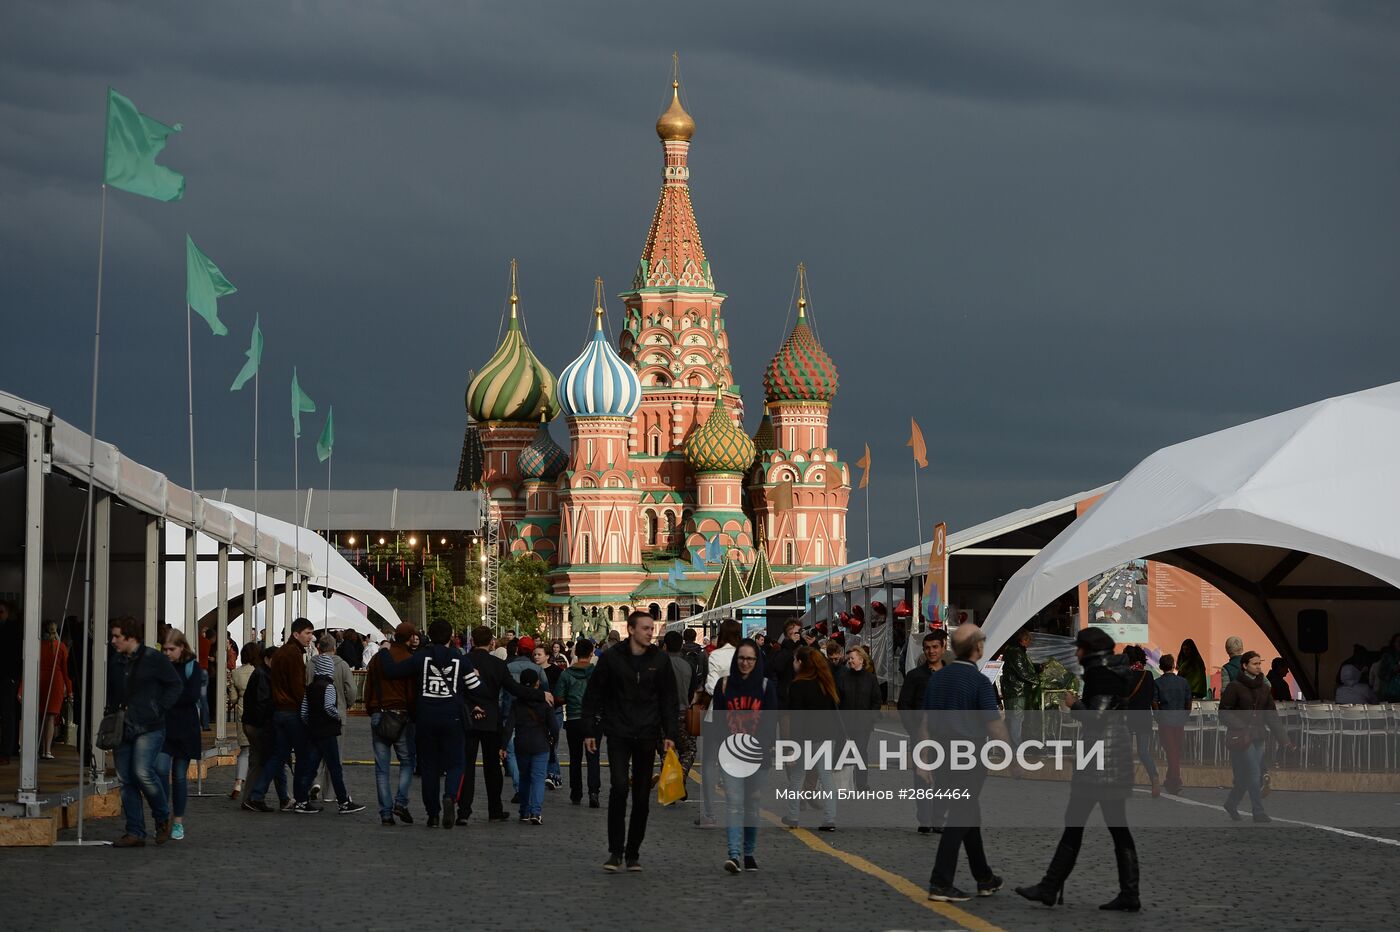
x,y
329,871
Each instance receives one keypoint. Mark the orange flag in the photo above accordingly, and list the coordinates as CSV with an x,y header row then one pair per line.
x,y
782,496
864,464
834,479
916,440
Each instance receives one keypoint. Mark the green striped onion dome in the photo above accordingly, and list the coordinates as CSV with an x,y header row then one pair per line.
x,y
513,385
719,445
801,371
543,458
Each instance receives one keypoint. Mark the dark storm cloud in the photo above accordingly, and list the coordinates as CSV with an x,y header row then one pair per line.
x,y
1061,235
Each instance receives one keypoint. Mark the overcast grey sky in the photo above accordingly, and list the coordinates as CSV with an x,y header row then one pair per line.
x,y
1061,235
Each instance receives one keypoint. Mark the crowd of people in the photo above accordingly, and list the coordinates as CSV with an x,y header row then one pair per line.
x,y
442,705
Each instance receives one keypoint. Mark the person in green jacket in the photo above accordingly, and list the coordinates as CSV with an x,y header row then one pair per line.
x,y
1018,682
568,691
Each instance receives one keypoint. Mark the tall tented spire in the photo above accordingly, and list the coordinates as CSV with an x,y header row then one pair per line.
x,y
729,585
760,574
673,256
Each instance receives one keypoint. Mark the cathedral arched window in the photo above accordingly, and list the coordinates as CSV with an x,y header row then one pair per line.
x,y
670,527
654,611
651,528
673,612
790,553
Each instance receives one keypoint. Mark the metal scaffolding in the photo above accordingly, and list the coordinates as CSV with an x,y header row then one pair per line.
x,y
490,558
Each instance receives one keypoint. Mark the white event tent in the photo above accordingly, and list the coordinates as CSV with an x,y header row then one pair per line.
x,y
1296,511
327,567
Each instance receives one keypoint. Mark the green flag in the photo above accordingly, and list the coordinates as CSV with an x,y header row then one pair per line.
x,y
204,284
133,142
323,446
254,354
301,402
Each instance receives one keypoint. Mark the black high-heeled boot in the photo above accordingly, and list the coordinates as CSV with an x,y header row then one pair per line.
x,y
1051,889
1127,899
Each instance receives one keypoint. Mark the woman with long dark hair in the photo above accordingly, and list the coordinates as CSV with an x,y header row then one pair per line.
x,y
813,691
739,702
1191,665
182,728
238,686
1107,787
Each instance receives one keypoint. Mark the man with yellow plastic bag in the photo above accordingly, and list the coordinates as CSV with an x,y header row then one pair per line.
x,y
631,699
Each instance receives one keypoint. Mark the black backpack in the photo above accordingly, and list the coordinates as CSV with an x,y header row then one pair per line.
x,y
257,700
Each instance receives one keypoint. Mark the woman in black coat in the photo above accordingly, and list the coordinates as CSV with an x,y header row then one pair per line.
x,y
182,730
860,695
1100,716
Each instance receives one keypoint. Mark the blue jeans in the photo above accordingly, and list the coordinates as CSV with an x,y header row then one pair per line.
x,y
1143,740
710,774
291,740
795,776
741,795
555,770
175,770
1245,764
532,773
403,749
136,766
511,769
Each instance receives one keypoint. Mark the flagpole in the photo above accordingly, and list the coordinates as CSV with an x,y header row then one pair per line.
x,y
918,515
257,384
92,472
325,617
296,518
867,523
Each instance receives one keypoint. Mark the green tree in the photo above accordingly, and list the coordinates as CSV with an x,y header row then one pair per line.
x,y
521,604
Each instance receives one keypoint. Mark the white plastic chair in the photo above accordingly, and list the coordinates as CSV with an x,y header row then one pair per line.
x,y
1319,722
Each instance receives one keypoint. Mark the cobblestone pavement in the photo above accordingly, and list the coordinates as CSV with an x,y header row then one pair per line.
x,y
237,869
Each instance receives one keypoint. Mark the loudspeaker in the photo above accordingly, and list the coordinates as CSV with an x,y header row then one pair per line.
x,y
1312,631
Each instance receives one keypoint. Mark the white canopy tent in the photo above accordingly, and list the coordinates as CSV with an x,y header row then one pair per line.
x,y
1296,511
326,566
342,614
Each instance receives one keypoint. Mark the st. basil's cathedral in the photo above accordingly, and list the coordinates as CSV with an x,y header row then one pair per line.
x,y
658,468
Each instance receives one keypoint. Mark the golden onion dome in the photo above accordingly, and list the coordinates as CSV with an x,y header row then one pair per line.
x,y
675,123
719,445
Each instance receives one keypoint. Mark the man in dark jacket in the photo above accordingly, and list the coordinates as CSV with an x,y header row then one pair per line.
x,y
1101,716
146,685
928,811
631,699
11,658
780,663
967,704
288,672
483,735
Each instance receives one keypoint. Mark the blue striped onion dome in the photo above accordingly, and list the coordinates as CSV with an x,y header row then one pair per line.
x,y
543,458
513,385
598,383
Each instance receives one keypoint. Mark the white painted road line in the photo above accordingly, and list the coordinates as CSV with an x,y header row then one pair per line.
x,y
1348,833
